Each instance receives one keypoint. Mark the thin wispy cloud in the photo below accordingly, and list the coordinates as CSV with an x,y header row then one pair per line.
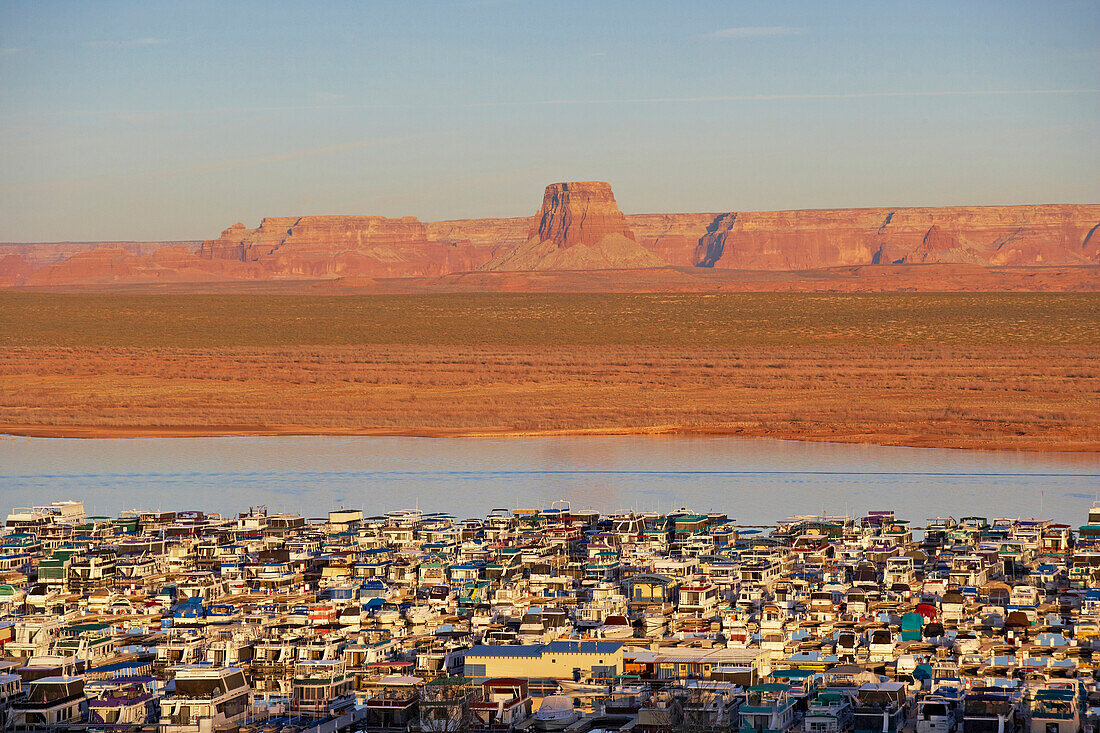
x,y
782,97
141,116
485,3
11,50
323,105
756,31
132,43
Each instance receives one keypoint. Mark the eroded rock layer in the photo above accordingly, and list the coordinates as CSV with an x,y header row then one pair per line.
x,y
328,246
989,235
672,237
579,227
40,254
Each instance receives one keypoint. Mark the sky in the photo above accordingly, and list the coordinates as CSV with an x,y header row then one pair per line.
x,y
173,120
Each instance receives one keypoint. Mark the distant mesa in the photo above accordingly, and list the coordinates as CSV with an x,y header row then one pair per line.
x,y
581,212
23,264
579,227
340,246
998,236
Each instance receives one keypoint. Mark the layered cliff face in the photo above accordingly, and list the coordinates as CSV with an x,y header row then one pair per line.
x,y
939,247
328,246
40,254
119,266
581,212
578,227
491,237
672,237
988,235
14,270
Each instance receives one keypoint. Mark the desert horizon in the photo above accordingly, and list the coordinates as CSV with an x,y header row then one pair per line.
x,y
579,260
579,228
300,434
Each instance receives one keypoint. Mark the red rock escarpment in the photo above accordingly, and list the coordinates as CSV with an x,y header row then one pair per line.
x,y
14,270
490,237
40,254
988,235
578,227
117,266
672,237
328,246
581,212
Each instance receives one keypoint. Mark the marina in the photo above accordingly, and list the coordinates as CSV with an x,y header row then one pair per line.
x,y
482,366
547,619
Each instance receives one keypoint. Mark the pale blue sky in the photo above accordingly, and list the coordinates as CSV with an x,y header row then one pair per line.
x,y
172,120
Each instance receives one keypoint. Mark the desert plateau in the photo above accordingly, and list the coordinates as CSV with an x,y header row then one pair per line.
x,y
920,327
579,237
1017,371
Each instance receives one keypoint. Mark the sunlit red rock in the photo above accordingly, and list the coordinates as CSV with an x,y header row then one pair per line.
x,y
14,270
578,227
807,239
330,246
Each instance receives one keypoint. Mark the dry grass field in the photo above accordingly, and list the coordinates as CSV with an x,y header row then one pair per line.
x,y
980,370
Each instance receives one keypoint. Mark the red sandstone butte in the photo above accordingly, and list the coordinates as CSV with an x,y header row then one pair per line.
x,y
578,227
582,212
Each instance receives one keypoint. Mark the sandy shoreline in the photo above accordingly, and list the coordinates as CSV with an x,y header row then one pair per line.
x,y
99,432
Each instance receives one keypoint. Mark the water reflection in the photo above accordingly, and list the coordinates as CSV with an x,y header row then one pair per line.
x,y
754,480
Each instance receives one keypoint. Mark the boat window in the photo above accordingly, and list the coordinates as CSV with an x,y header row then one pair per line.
x,y
932,709
201,687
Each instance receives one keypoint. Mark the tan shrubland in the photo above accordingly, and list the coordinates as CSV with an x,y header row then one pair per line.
x,y
962,370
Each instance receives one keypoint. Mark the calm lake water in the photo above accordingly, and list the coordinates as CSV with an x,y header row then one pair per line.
x,y
754,480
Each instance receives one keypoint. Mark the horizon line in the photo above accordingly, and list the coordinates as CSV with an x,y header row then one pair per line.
x,y
886,207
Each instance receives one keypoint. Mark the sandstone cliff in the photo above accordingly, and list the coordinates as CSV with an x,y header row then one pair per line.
x,y
40,254
329,246
672,237
118,266
489,237
14,270
991,235
578,227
